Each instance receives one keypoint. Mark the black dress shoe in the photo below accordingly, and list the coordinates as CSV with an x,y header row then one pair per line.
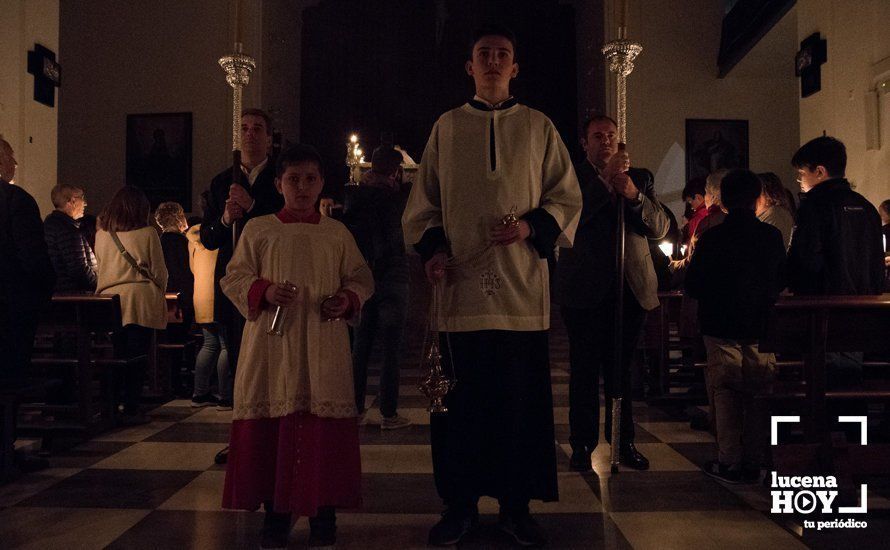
x,y
523,528
323,528
276,529
455,523
580,461
629,456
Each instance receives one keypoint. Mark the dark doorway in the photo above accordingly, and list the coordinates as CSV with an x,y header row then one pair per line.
x,y
396,65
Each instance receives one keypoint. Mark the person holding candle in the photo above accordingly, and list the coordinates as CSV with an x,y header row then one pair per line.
x,y
294,442
226,202
586,287
483,160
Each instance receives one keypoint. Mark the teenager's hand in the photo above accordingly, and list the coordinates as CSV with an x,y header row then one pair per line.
x,y
335,306
232,212
281,295
435,267
505,235
240,196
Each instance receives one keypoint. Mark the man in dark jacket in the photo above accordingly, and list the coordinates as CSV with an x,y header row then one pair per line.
x,y
374,216
26,273
69,249
836,247
586,288
253,194
736,275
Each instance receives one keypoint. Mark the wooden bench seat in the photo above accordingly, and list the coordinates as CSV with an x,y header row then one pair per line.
x,y
87,364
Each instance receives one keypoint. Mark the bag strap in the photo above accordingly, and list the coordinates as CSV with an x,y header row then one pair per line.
x,y
132,261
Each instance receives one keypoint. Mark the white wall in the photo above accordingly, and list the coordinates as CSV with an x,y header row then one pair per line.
x,y
144,56
28,126
858,35
676,78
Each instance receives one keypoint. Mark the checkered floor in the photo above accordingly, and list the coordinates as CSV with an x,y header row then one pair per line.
x,y
156,486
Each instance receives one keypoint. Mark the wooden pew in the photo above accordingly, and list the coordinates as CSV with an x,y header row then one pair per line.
x,y
163,348
659,338
814,326
89,321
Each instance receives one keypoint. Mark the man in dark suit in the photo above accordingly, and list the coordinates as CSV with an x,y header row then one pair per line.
x,y
253,194
586,287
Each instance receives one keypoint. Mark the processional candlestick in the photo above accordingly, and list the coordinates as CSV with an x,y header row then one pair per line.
x,y
238,67
620,55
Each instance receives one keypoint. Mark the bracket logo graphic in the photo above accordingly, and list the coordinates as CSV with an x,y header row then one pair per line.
x,y
809,494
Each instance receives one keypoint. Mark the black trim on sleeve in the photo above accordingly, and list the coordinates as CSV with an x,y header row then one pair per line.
x,y
545,231
433,241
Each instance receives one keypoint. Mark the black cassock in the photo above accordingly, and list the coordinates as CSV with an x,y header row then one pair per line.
x,y
497,438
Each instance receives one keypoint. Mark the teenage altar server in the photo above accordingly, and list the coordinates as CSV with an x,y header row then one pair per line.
x,y
294,443
484,160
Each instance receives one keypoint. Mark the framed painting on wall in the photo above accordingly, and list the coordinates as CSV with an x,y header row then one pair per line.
x,y
713,144
159,156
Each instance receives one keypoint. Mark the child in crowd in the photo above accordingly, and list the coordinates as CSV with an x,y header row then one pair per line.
x,y
294,444
736,275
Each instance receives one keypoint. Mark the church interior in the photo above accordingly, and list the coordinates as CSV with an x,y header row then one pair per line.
x,y
102,94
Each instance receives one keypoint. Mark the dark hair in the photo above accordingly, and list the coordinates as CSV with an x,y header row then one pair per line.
x,y
295,155
128,210
260,113
386,160
695,186
595,118
773,190
823,151
740,189
885,206
492,29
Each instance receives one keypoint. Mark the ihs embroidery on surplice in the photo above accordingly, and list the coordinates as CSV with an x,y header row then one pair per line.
x,y
489,282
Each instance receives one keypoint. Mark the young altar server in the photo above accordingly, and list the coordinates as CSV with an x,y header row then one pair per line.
x,y
483,160
294,443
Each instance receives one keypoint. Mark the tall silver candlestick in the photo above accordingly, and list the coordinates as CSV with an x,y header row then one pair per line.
x,y
238,67
620,54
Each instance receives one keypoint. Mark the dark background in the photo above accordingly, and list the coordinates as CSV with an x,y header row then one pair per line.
x,y
373,67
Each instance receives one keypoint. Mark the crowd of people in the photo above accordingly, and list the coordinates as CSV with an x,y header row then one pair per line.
x,y
496,205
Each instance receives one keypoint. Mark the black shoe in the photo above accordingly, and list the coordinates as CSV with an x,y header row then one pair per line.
x,y
629,456
700,421
750,474
27,463
224,405
222,457
723,472
323,528
580,461
523,528
276,528
204,400
452,527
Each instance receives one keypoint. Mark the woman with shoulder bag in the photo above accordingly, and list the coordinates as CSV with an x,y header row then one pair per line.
x,y
131,265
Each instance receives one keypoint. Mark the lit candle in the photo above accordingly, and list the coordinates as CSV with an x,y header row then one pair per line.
x,y
353,138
